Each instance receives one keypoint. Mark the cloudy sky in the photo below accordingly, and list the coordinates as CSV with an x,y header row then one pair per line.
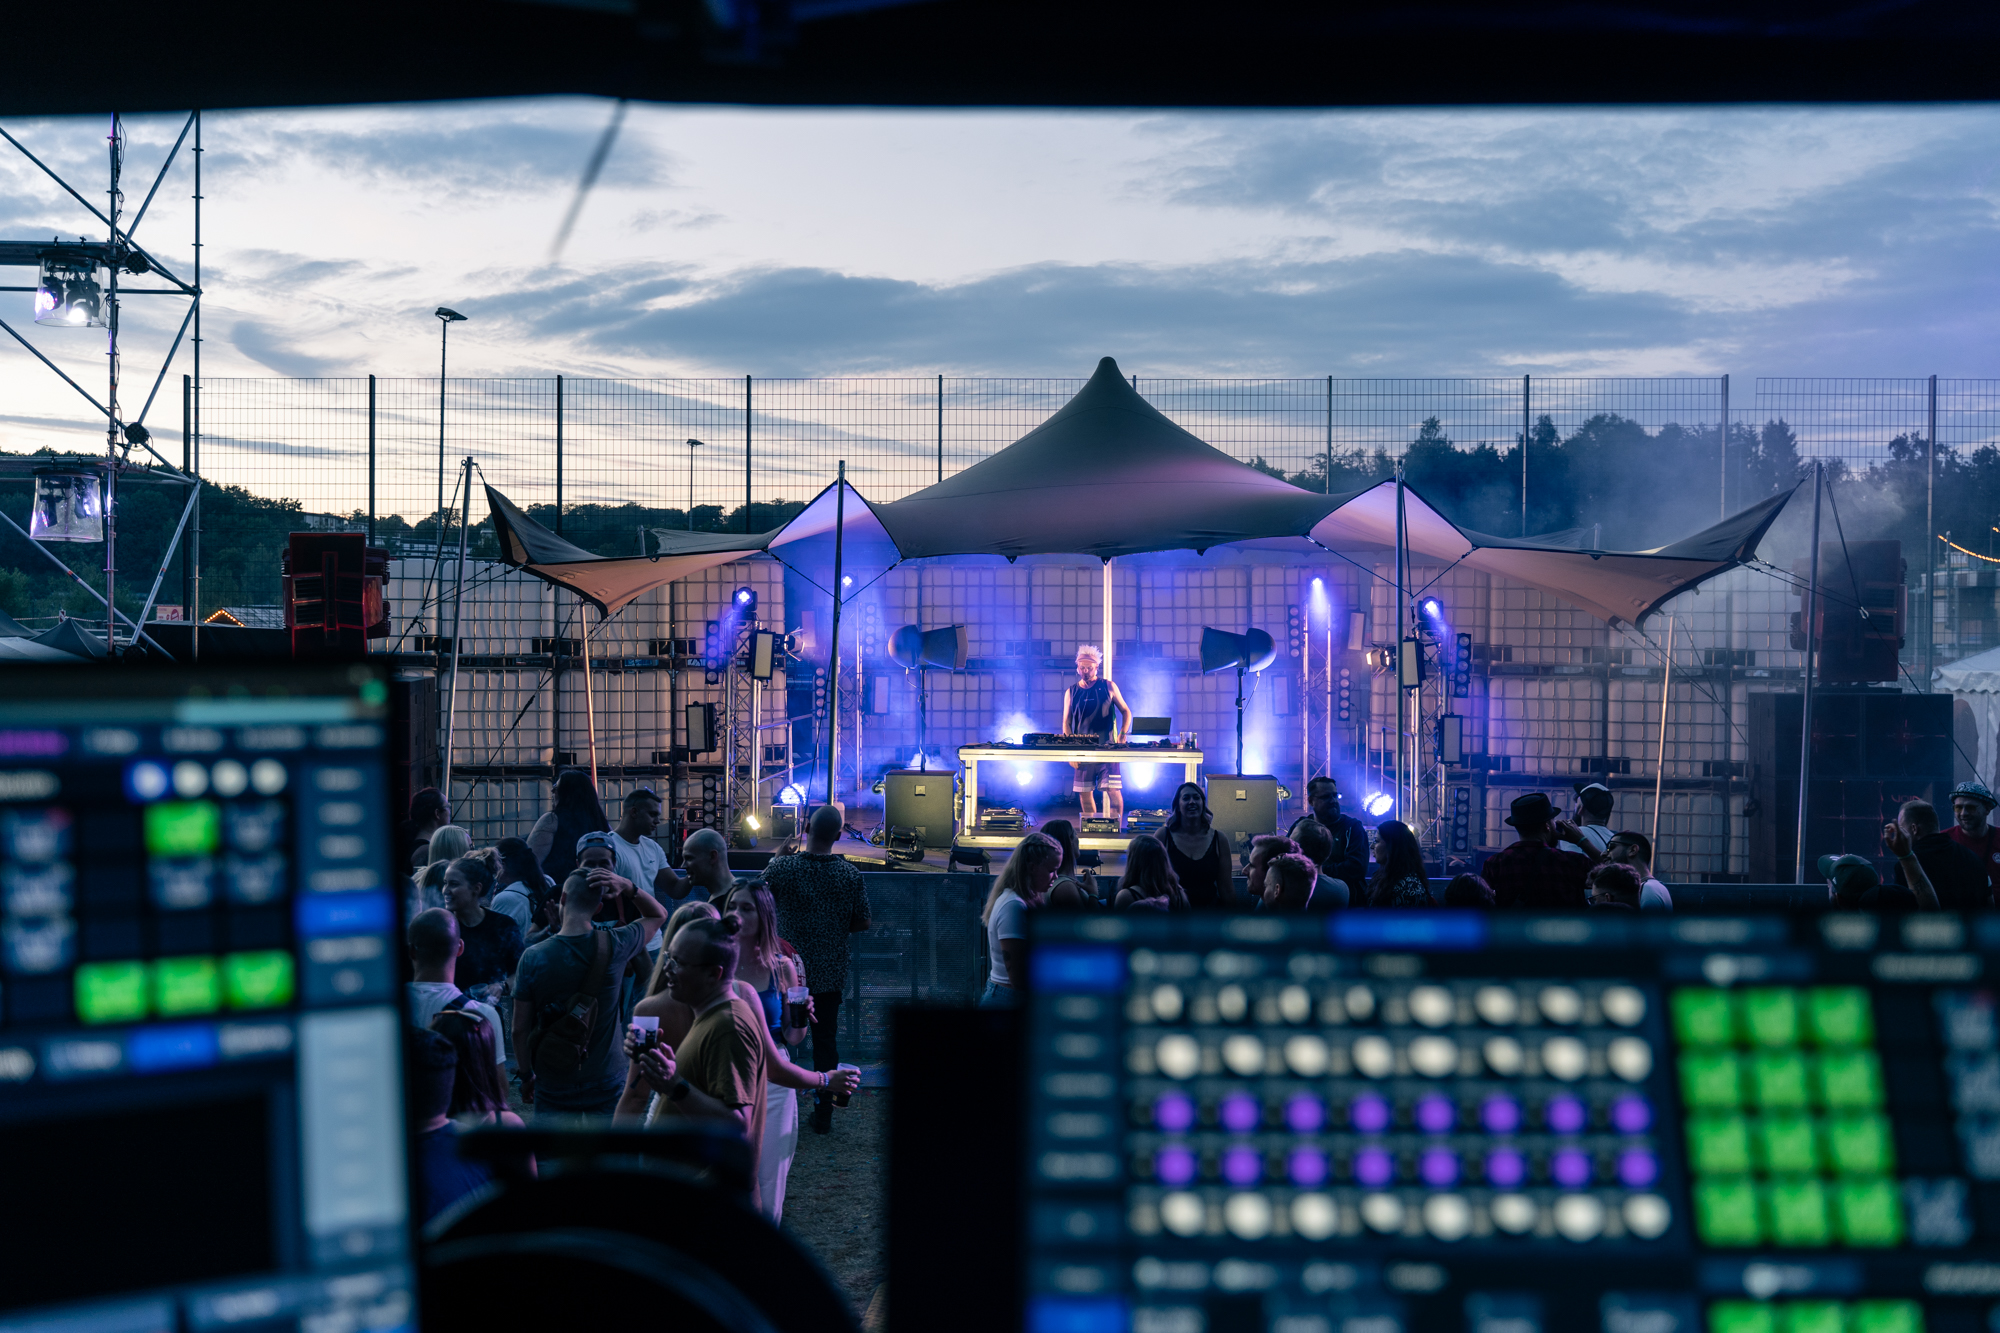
x,y
1748,241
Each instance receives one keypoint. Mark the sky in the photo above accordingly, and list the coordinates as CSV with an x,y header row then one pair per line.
x,y
1747,241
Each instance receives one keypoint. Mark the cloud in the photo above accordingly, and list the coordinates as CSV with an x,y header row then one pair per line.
x,y
268,349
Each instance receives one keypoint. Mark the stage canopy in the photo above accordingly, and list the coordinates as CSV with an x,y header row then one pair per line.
x,y
1975,681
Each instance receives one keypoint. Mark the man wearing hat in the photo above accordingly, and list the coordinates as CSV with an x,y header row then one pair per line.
x,y
1972,803
1851,882
1593,818
1534,872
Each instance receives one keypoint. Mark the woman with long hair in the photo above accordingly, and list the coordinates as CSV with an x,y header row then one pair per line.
x,y
428,814
1399,869
1022,883
1198,851
524,889
1149,882
1074,887
764,966
492,941
576,811
446,845
477,1095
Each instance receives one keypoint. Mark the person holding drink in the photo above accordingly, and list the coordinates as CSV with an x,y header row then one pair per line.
x,y
779,985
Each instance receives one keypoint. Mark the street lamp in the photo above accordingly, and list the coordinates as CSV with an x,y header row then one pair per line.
x,y
446,317
692,446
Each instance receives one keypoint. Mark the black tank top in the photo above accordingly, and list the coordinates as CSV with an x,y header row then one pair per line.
x,y
1090,711
562,852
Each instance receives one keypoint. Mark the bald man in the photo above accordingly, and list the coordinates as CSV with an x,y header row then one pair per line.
x,y
821,900
705,862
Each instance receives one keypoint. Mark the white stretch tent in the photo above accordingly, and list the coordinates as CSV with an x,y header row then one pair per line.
x,y
1976,681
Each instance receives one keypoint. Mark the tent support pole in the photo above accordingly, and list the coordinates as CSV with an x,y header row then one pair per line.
x,y
457,602
1660,765
1108,586
1402,591
589,697
833,647
1806,710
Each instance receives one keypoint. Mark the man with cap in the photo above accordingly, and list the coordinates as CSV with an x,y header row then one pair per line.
x,y
1593,818
1972,803
1852,881
1534,872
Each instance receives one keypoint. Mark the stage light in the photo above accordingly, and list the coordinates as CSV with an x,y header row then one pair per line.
x,y
68,294
847,580
793,794
1252,650
1140,775
1319,585
745,602
750,822
1433,608
1381,803
1023,774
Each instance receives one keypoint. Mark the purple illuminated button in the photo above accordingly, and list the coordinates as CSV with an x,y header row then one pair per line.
x,y
1174,1165
1500,1115
1173,1113
1240,1112
1305,1113
1570,1168
1242,1166
1307,1167
1564,1115
1439,1168
1637,1168
1632,1115
1369,1114
1436,1114
1373,1167
1505,1168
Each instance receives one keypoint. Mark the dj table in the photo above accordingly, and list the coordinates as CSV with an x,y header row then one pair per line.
x,y
971,756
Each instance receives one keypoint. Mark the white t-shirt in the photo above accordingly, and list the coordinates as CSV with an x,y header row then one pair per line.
x,y
1653,897
1008,922
1597,835
641,862
512,901
427,997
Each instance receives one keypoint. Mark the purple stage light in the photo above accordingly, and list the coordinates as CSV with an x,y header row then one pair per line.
x,y
1305,1113
1500,1115
1369,1114
1632,1115
1174,1165
1436,1114
1307,1167
1373,1167
1505,1168
1564,1115
1240,1113
1439,1168
1242,1166
1570,1168
1638,1168
1173,1113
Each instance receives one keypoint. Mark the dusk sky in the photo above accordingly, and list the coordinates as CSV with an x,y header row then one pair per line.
x,y
1751,241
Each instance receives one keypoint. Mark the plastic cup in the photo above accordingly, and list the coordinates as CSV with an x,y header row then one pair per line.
x,y
795,1007
842,1097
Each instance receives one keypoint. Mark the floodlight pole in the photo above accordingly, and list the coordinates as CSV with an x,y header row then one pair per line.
x,y
1402,616
457,601
833,650
115,196
692,446
1806,710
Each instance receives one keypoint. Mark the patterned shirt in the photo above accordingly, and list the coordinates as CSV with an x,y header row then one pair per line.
x,y
820,899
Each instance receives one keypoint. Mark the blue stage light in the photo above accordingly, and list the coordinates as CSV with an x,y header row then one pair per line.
x,y
1381,803
1433,608
793,794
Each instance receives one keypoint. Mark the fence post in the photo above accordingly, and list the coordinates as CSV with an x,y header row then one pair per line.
x,y
559,454
940,476
1930,544
1329,437
371,460
1724,469
187,466
1525,428
555,613
746,454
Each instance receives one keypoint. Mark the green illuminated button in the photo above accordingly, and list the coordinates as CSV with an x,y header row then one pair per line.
x,y
1871,1212
1840,1016
1702,1018
258,980
1770,1016
1786,1145
1798,1213
111,992
1778,1080
1886,1317
1711,1081
1859,1145
1812,1317
1741,1317
183,828
1850,1081
186,986
1719,1145
1725,1212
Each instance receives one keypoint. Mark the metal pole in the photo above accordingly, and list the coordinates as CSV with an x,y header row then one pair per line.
x,y
1525,428
111,401
194,460
187,447
746,454
1106,603
444,340
457,603
940,406
371,460
1806,706
1660,765
556,653
833,647
1930,545
1724,454
589,699
1328,488
559,455
1402,701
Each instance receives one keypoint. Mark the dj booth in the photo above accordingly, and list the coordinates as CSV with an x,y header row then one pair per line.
x,y
1187,757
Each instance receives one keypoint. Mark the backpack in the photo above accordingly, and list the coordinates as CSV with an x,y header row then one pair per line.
x,y
560,1042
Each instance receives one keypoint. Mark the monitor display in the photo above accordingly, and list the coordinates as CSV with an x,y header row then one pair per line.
x,y
200,1051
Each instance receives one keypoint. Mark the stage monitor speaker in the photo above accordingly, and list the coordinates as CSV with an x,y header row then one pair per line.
x,y
1243,804
413,736
920,800
700,728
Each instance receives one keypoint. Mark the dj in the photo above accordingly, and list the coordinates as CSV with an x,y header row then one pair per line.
x,y
1094,707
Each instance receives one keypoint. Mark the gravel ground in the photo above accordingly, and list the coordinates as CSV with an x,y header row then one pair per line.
x,y
835,1202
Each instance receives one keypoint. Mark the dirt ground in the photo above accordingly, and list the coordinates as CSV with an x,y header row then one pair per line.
x,y
836,1201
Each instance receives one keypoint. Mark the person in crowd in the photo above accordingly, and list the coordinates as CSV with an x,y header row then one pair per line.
x,y
705,858
1289,882
1635,849
1149,882
1534,872
1399,869
429,812
479,1088
1348,861
1074,886
1955,873
1316,841
1972,806
598,850
1468,890
570,964
763,965
1264,849
1094,707
523,895
1199,852
492,942
447,844
430,1074
718,1071
640,858
1594,803
1853,883
576,811
1020,885
1613,886
821,900
434,946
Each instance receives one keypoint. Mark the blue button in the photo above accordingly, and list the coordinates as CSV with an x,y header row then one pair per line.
x,y
1064,968
1062,1314
344,914
183,1046
1408,930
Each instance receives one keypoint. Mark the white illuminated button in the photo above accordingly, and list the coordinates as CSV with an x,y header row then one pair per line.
x,y
1630,1058
1513,1213
1167,1002
1307,1056
1231,1004
1178,1056
1565,1058
1374,1057
190,779
1294,1004
1314,1216
230,778
1434,1057
1360,1003
1647,1216
1497,1005
268,777
1504,1056
1244,1055
1623,1005
1182,1213
1382,1212
1447,1216
1432,1006
1579,1217
1560,1004
1248,1216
